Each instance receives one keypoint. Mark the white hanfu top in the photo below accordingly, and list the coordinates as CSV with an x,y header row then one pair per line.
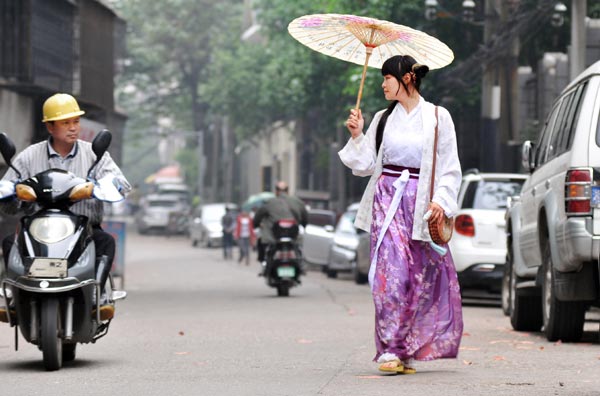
x,y
360,155
403,141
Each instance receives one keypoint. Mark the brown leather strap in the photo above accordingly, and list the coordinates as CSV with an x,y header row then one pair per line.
x,y
435,142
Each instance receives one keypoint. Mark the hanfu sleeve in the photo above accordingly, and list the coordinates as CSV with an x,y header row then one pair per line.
x,y
359,153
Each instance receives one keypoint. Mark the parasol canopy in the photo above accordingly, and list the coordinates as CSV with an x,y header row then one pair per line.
x,y
367,41
257,200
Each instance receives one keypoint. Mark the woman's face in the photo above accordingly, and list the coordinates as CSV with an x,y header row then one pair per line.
x,y
392,89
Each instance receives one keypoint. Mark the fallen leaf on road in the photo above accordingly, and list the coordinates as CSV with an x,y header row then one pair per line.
x,y
304,341
469,349
541,348
465,334
499,358
181,333
468,363
500,342
182,353
558,343
369,376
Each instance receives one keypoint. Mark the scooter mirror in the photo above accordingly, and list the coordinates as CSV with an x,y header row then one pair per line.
x,y
8,150
7,147
101,142
99,146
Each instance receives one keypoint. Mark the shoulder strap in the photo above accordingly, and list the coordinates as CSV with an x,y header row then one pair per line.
x,y
435,142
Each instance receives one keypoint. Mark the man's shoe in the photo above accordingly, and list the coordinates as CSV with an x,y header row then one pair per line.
x,y
107,312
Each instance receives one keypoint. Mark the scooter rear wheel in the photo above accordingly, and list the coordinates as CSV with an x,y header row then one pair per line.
x,y
283,290
51,334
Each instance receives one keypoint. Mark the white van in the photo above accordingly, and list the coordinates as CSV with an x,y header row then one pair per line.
x,y
553,228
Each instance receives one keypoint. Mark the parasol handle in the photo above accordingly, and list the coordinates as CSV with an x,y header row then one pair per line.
x,y
362,79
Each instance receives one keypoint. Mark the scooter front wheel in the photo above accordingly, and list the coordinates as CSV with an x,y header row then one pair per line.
x,y
51,334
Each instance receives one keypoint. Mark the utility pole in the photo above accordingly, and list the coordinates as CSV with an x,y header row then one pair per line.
x,y
578,38
499,87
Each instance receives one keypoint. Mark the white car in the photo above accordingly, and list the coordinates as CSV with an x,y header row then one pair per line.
x,y
205,226
317,237
156,211
478,244
342,254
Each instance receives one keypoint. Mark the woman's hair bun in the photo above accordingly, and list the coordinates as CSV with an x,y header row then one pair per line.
x,y
420,70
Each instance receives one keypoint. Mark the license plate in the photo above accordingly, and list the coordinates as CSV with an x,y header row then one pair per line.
x,y
48,268
286,272
596,196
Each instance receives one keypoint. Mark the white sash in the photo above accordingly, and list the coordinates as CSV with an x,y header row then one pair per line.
x,y
399,185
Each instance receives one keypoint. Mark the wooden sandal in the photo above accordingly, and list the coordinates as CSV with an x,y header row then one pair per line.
x,y
393,366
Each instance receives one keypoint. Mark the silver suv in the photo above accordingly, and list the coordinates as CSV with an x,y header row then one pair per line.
x,y
553,228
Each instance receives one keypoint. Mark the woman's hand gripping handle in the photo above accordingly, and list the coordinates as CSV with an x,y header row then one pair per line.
x,y
355,123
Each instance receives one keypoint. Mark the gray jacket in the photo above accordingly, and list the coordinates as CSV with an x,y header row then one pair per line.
x,y
281,207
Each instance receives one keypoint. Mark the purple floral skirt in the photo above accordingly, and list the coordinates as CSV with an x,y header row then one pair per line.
x,y
418,313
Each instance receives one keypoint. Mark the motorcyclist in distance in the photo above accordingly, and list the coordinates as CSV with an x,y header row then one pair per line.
x,y
64,150
282,206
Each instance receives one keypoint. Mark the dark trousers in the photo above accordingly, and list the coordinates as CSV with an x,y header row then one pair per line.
x,y
260,250
105,246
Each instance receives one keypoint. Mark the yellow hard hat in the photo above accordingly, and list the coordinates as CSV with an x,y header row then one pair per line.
x,y
60,107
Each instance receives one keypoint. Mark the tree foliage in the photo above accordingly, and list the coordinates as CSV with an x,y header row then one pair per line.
x,y
187,61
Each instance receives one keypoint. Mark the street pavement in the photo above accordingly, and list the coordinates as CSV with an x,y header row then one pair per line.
x,y
195,324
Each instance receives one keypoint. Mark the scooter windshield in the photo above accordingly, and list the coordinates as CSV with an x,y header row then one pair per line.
x,y
106,190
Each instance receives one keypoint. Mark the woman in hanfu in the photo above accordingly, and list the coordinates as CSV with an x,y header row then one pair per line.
x,y
413,281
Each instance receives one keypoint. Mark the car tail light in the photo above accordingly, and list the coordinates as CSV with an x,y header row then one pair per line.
x,y
465,225
578,187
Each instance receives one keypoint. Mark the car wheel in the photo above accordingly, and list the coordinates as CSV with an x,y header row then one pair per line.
x,y
563,320
525,306
359,277
505,294
330,273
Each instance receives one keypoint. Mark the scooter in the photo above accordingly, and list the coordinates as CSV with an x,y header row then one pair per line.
x,y
52,286
283,268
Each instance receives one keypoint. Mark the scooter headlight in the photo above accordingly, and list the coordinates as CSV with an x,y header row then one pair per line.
x,y
51,229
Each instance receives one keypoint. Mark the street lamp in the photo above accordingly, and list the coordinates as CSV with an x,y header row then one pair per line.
x,y
558,16
468,10
431,7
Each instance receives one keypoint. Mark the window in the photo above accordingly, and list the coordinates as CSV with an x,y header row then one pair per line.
x,y
491,194
545,136
346,223
572,118
564,127
559,126
321,219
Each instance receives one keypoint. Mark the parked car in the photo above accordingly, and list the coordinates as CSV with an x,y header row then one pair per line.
x,y
317,237
342,253
156,211
478,245
363,258
205,227
179,189
554,226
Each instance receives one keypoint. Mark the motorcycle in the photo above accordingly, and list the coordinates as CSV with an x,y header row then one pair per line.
x,y
52,285
283,268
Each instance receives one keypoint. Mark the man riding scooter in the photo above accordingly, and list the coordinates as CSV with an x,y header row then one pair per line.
x,y
64,150
283,206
